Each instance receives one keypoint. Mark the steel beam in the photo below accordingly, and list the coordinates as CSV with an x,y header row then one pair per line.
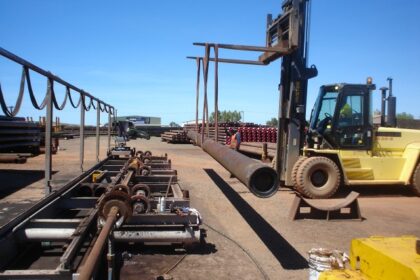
x,y
233,61
245,47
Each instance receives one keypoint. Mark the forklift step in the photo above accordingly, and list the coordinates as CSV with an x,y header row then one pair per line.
x,y
375,182
351,163
359,173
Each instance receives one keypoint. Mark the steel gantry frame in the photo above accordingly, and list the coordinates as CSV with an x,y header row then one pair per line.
x,y
287,37
50,102
265,59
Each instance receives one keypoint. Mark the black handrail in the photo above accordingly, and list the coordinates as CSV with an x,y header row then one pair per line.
x,y
51,79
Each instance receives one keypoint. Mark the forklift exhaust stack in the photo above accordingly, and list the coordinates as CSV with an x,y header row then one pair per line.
x,y
392,108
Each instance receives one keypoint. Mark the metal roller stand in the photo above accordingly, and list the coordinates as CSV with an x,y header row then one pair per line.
x,y
126,210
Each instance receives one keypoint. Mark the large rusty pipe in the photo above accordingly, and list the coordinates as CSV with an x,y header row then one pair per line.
x,y
195,137
94,256
260,179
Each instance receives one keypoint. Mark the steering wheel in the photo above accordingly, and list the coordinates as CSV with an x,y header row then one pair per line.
x,y
322,125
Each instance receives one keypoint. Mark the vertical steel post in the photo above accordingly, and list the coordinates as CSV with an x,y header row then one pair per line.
x,y
48,129
98,123
207,104
216,92
82,131
203,123
197,90
109,128
205,76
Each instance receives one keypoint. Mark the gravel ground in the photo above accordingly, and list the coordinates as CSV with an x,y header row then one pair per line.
x,y
248,237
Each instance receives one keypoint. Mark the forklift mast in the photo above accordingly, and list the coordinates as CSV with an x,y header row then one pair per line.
x,y
291,30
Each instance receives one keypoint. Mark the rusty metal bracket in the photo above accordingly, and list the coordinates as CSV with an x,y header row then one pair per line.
x,y
331,208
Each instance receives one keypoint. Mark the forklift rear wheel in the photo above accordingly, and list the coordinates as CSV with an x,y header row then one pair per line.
x,y
296,166
416,180
318,177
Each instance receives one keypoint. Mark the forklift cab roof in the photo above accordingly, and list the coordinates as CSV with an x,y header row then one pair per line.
x,y
339,86
332,98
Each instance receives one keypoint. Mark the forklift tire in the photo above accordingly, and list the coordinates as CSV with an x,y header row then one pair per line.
x,y
318,177
296,166
416,180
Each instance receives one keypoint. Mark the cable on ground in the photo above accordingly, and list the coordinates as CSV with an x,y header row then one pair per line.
x,y
265,276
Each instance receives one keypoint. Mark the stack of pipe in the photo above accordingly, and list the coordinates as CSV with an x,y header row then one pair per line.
x,y
175,136
250,132
18,135
258,134
221,134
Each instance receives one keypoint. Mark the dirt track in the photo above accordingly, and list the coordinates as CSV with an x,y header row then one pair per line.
x,y
260,226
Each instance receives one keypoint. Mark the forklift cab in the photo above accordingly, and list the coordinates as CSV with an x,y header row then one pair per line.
x,y
341,118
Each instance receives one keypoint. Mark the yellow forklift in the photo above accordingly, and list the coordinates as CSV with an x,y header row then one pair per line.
x,y
345,148
341,146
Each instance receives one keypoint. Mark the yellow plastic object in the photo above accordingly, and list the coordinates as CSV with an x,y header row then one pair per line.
x,y
380,258
95,175
386,257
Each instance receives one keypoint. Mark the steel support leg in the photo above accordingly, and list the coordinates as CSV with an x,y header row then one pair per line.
x,y
216,93
205,88
82,133
197,97
48,129
205,106
98,123
109,129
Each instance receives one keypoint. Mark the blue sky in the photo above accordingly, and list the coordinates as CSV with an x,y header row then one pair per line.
x,y
132,53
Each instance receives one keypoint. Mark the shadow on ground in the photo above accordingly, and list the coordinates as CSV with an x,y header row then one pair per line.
x,y
286,255
13,180
377,191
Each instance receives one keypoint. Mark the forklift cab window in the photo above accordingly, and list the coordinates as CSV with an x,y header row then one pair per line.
x,y
351,113
351,126
324,111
